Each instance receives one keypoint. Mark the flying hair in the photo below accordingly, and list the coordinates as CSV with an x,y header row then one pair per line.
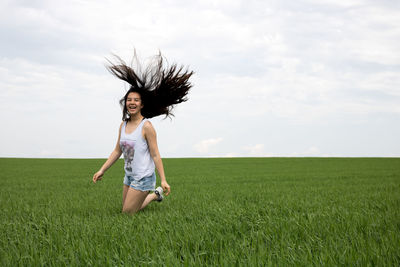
x,y
160,86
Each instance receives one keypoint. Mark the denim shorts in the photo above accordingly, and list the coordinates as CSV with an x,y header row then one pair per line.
x,y
144,184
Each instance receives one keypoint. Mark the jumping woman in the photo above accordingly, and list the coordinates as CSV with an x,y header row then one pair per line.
x,y
152,92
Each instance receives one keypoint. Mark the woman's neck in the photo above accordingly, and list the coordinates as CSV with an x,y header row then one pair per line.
x,y
136,118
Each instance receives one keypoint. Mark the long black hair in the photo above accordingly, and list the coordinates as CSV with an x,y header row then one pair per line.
x,y
160,87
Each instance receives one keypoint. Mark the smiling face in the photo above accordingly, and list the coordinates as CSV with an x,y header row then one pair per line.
x,y
133,103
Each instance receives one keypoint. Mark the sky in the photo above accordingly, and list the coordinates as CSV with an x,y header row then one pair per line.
x,y
307,78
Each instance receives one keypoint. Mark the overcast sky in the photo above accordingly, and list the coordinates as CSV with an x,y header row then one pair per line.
x,y
273,78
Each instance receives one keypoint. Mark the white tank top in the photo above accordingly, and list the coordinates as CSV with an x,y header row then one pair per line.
x,y
138,161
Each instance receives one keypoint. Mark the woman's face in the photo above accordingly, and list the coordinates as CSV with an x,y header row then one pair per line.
x,y
133,103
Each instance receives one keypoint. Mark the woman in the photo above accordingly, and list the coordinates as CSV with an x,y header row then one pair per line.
x,y
152,92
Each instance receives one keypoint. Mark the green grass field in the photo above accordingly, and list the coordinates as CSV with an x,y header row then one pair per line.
x,y
221,212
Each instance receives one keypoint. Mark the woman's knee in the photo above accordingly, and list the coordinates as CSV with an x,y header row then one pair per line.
x,y
129,209
133,201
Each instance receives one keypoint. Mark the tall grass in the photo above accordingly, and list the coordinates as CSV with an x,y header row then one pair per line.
x,y
221,212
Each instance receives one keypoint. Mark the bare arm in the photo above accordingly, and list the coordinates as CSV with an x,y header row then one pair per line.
x,y
114,156
151,138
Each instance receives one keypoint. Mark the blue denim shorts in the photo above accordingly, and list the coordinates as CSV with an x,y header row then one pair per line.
x,y
144,184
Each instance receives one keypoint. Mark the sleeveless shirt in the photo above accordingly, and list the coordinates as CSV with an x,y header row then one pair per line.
x,y
138,161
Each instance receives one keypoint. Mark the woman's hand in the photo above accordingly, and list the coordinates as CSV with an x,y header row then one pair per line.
x,y
98,176
165,186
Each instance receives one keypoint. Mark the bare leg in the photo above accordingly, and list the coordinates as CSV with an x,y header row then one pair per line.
x,y
133,201
149,198
124,192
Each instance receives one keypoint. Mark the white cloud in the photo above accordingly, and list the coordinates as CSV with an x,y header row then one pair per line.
x,y
231,155
205,146
312,151
258,150
255,150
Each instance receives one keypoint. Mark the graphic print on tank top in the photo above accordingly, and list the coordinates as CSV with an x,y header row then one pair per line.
x,y
128,150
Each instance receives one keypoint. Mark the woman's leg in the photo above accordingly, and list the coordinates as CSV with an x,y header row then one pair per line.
x,y
124,192
149,198
133,200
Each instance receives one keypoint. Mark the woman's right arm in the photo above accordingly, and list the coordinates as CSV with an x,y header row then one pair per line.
x,y
115,155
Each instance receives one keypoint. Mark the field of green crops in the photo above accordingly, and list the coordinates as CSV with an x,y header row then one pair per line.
x,y
221,212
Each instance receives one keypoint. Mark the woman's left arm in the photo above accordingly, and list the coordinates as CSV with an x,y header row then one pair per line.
x,y
151,138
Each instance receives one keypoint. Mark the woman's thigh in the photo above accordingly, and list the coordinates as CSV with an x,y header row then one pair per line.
x,y
133,200
124,193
